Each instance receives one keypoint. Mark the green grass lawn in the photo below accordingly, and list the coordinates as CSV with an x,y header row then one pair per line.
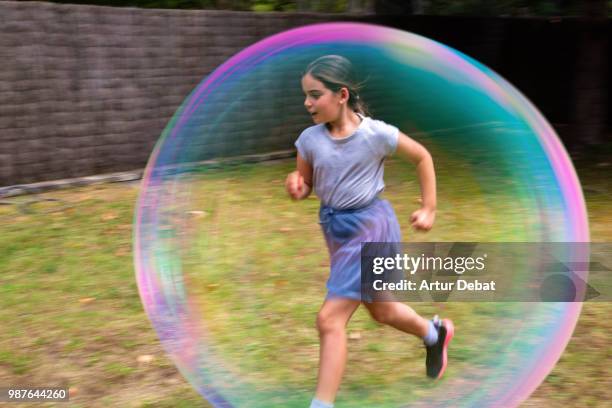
x,y
71,313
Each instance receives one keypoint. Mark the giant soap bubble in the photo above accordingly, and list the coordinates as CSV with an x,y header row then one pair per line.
x,y
231,273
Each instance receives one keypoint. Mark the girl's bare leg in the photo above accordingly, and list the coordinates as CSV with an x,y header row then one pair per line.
x,y
399,316
331,323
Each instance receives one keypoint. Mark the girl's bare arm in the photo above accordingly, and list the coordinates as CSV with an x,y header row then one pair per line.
x,y
411,150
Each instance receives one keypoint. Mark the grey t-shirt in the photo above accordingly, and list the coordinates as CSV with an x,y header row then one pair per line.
x,y
348,172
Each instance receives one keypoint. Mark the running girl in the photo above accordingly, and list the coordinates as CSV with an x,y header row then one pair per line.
x,y
341,158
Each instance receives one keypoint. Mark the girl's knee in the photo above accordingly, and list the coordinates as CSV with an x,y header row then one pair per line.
x,y
383,312
328,323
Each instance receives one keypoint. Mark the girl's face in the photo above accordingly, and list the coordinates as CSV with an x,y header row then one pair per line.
x,y
323,104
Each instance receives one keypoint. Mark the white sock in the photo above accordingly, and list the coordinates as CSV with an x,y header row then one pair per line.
x,y
431,337
320,404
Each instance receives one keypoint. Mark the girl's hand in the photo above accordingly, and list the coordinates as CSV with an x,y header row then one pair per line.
x,y
296,187
423,219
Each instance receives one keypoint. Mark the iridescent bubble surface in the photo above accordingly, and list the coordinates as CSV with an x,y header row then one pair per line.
x,y
231,276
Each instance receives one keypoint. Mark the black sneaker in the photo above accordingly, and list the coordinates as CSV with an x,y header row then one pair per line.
x,y
436,353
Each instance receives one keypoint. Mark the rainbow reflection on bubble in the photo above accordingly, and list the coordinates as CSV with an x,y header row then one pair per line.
x,y
482,132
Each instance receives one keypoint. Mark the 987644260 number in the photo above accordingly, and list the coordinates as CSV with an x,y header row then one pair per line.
x,y
42,394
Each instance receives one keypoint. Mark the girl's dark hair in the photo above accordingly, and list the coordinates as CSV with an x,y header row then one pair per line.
x,y
336,72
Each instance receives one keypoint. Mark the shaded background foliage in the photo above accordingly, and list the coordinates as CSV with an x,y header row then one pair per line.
x,y
431,7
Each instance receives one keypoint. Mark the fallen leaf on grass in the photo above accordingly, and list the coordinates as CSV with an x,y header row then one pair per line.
x,y
145,358
108,216
354,336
